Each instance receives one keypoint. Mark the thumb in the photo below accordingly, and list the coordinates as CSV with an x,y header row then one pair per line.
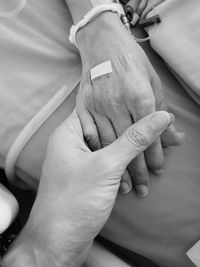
x,y
137,138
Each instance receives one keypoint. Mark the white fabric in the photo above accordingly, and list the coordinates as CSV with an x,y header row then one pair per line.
x,y
36,60
30,129
177,40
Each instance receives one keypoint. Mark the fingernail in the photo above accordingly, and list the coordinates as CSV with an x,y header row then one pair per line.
x,y
161,120
142,190
125,188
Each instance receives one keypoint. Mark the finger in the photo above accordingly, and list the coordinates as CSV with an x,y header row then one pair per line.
x,y
107,136
105,128
135,18
90,131
140,174
139,8
140,169
134,4
126,183
148,8
171,137
121,122
154,156
136,139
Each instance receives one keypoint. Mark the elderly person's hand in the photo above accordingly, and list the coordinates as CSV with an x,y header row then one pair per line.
x,y
77,192
109,104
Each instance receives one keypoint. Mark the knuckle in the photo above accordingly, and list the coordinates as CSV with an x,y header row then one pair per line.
x,y
136,138
145,105
148,103
140,175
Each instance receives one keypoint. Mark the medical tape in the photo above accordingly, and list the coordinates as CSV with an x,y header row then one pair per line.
x,y
100,70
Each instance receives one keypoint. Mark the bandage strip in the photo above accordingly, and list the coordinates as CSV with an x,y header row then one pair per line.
x,y
100,70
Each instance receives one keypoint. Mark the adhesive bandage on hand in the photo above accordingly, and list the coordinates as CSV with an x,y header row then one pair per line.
x,y
100,70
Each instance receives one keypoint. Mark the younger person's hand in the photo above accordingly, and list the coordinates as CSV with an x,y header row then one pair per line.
x,y
77,191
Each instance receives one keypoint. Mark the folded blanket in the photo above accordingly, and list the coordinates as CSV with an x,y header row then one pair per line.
x,y
177,38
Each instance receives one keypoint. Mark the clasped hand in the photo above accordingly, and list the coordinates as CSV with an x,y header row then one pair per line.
x,y
78,188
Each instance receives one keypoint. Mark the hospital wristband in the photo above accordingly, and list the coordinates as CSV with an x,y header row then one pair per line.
x,y
91,15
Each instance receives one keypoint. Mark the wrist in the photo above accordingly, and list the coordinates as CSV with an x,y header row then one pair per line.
x,y
22,255
106,21
102,39
29,250
47,238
